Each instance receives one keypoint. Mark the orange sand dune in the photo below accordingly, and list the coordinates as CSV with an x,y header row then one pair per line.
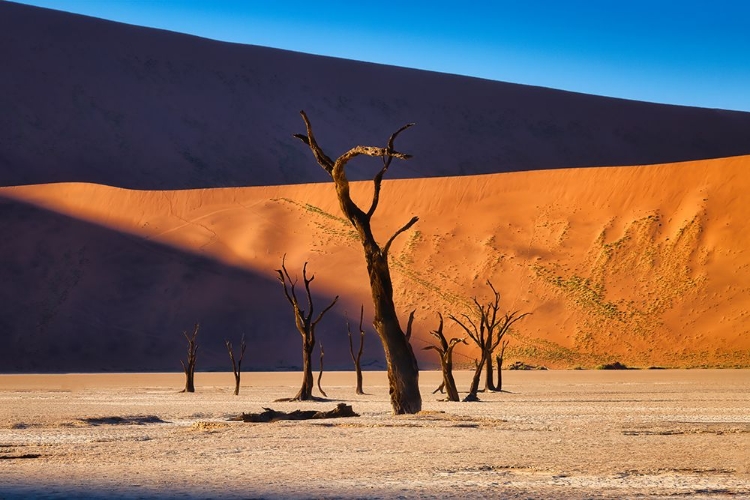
x,y
647,265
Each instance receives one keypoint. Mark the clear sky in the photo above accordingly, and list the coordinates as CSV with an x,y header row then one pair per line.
x,y
694,53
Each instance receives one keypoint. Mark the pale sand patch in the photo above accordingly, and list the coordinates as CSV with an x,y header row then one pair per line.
x,y
558,434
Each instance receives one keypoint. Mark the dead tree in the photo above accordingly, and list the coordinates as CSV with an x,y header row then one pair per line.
x,y
320,373
445,351
487,330
236,366
499,358
305,324
403,371
358,358
189,368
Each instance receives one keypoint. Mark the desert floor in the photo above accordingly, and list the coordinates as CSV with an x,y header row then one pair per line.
x,y
554,434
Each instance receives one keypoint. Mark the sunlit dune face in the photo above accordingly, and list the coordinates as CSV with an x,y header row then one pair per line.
x,y
647,265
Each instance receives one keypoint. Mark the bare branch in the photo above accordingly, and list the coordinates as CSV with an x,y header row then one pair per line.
x,y
361,332
320,316
243,346
322,159
283,278
438,334
474,335
508,321
307,290
390,143
349,334
455,341
342,160
406,227
408,325
379,176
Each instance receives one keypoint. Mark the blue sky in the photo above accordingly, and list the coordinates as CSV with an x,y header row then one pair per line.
x,y
678,52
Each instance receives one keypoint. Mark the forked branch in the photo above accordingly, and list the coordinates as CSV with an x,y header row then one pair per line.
x,y
322,159
404,228
378,179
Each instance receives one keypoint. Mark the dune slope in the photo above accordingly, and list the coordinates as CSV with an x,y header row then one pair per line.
x,y
646,265
86,100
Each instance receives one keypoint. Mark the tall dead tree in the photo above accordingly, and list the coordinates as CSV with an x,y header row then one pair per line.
x,y
445,351
305,324
236,366
487,329
189,368
403,371
358,358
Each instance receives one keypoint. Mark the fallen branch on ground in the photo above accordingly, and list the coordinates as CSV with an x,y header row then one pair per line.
x,y
269,415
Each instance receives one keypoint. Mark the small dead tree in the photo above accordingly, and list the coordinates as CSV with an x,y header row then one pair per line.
x,y
305,324
487,330
403,371
189,368
236,366
445,351
358,358
320,373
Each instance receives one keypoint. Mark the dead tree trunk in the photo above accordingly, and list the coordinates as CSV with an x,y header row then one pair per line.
x,y
358,358
487,330
489,375
474,388
403,371
499,359
189,368
305,325
236,366
320,373
445,351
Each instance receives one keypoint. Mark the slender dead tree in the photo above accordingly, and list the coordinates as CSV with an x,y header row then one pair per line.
x,y
320,373
189,368
305,324
403,371
358,358
487,330
236,366
499,358
445,351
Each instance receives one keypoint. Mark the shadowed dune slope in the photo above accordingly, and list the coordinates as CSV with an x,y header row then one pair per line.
x,y
88,100
77,296
646,265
